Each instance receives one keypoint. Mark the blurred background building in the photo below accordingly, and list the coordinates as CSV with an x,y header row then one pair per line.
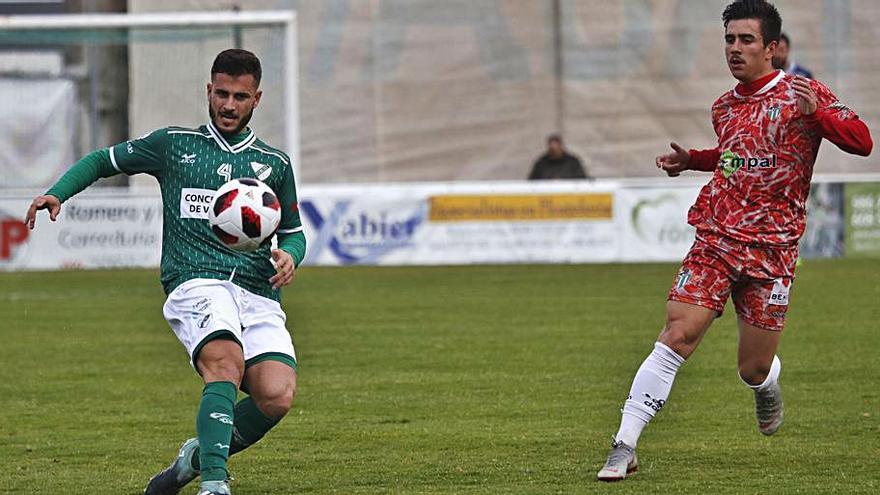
x,y
426,90
414,123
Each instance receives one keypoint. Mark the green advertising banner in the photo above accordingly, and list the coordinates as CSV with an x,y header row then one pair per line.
x,y
863,219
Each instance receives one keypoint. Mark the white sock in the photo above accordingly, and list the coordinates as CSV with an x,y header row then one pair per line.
x,y
649,391
772,377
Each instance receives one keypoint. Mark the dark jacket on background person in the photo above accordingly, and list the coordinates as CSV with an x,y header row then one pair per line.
x,y
798,70
566,166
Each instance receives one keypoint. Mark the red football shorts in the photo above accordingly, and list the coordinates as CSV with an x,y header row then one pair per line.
x,y
759,279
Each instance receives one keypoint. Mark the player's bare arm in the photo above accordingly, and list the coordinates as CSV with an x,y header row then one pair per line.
x,y
807,102
43,202
285,268
673,163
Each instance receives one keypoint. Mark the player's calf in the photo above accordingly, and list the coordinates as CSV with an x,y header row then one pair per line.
x,y
249,426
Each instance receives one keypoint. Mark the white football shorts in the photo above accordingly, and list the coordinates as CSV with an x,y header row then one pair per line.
x,y
200,309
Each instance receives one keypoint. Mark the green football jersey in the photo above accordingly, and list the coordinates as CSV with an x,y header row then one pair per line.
x,y
190,164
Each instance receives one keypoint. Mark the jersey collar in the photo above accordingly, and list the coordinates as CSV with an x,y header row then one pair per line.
x,y
246,141
764,85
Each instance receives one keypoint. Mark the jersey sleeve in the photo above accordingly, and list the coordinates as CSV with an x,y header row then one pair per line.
x,y
145,154
704,160
82,174
838,123
290,230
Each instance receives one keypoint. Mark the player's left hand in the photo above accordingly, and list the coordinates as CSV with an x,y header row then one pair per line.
x,y
807,101
285,268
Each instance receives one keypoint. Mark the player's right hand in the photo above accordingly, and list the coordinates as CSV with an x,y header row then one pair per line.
x,y
674,163
44,202
285,269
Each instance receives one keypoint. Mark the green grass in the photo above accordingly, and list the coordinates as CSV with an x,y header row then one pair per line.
x,y
463,380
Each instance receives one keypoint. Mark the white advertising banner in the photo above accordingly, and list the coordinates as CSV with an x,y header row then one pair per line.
x,y
653,222
395,224
92,231
459,224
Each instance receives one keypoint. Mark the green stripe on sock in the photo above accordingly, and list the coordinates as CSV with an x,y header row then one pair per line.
x,y
214,428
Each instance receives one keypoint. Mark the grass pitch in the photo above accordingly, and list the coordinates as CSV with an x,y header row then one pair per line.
x,y
463,380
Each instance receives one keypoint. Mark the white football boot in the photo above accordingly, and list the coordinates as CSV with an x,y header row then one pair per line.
x,y
215,488
178,474
768,409
621,462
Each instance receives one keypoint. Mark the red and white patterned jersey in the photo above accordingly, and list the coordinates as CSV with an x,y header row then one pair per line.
x,y
764,160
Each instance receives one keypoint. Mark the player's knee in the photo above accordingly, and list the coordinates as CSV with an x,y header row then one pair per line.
x,y
683,330
277,401
677,341
677,337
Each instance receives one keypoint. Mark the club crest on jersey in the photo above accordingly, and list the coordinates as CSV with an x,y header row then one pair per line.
x,y
774,112
262,170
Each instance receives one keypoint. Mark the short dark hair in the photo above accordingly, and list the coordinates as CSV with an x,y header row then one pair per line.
x,y
784,37
771,22
237,62
554,137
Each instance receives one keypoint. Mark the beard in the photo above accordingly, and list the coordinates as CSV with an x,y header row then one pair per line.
x,y
241,123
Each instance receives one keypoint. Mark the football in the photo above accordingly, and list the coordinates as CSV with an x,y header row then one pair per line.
x,y
244,214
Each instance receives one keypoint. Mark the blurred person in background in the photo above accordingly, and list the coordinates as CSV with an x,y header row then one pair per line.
x,y
557,162
748,219
782,59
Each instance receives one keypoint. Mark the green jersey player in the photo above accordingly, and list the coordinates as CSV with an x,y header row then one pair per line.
x,y
223,305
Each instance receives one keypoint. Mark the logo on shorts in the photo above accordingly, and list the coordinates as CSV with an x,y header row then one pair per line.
x,y
683,276
779,295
